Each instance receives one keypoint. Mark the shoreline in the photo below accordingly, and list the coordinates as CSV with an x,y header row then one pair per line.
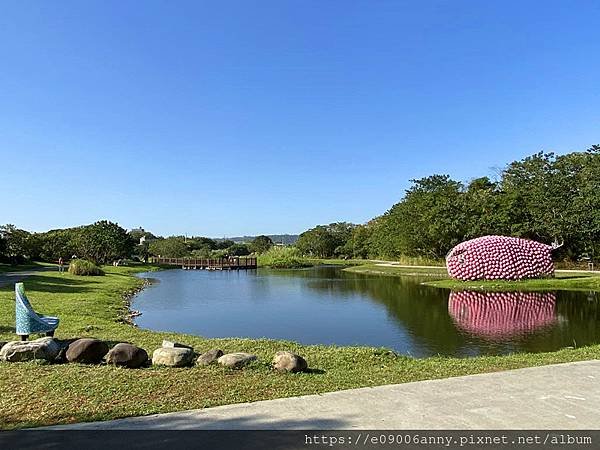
x,y
88,392
564,280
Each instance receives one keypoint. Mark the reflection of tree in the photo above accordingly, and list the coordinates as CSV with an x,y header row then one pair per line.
x,y
423,312
502,315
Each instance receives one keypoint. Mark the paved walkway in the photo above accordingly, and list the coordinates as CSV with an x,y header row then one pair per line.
x,y
13,277
562,396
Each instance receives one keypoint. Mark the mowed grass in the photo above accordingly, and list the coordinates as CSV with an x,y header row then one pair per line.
x,y
35,394
563,279
391,270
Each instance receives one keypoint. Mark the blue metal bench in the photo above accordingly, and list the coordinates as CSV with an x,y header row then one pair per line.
x,y
28,321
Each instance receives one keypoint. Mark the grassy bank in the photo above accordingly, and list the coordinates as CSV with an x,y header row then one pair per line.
x,y
382,268
563,280
40,394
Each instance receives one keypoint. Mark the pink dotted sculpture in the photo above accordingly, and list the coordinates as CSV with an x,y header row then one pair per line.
x,y
500,258
502,315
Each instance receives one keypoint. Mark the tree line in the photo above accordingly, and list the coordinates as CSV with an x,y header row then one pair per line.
x,y
546,197
104,242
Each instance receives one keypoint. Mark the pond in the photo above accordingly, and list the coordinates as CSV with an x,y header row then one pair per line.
x,y
326,305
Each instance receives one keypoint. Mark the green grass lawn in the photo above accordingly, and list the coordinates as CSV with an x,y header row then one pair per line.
x,y
36,394
378,269
563,280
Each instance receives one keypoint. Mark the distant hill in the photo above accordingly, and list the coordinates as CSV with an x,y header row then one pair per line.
x,y
286,239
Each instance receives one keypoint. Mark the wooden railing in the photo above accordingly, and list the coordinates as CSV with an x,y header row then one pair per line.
x,y
233,263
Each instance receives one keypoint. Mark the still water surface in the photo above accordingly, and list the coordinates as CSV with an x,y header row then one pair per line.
x,y
326,305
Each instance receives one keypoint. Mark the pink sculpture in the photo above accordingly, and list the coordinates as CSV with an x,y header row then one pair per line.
x,y
501,315
500,258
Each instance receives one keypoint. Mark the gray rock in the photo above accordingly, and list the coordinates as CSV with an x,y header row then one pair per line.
x,y
2,343
172,357
289,362
127,355
86,350
209,357
236,360
44,348
171,344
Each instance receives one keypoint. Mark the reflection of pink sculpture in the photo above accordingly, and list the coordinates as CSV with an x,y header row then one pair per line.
x,y
499,258
498,315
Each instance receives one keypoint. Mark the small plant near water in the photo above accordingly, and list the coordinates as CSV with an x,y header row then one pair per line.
x,y
84,267
283,258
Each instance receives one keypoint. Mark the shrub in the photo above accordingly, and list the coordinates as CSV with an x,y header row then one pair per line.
x,y
84,268
282,258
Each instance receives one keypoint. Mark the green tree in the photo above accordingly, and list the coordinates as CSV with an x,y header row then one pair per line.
x,y
359,244
103,242
15,243
224,244
428,222
261,244
238,250
325,241
171,247
57,244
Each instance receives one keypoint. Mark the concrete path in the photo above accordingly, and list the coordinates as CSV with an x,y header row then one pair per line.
x,y
562,396
14,277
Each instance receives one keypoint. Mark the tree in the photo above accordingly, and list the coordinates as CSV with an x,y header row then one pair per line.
x,y
358,246
15,243
224,244
57,244
200,242
428,222
324,241
103,242
261,244
3,248
171,247
238,250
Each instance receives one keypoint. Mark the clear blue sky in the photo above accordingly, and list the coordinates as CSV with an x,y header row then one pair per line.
x,y
240,117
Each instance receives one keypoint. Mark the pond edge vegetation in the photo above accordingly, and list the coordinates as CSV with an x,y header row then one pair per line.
x,y
86,393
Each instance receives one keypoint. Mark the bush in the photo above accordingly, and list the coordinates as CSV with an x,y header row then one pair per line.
x,y
84,268
282,258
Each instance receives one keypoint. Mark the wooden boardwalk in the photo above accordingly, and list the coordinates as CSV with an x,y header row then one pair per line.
x,y
232,263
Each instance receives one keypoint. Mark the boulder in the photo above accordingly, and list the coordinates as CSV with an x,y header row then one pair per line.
x,y
236,360
172,356
64,346
209,357
127,355
171,344
289,362
2,343
87,351
44,348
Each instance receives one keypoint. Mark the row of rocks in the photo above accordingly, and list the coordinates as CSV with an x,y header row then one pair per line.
x,y
174,354
171,354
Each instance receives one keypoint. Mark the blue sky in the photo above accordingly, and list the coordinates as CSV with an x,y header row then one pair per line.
x,y
238,117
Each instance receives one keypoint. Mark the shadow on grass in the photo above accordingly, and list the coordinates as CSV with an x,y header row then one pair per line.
x,y
43,283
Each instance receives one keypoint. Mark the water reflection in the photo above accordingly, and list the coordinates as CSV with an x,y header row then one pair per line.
x,y
326,305
502,315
